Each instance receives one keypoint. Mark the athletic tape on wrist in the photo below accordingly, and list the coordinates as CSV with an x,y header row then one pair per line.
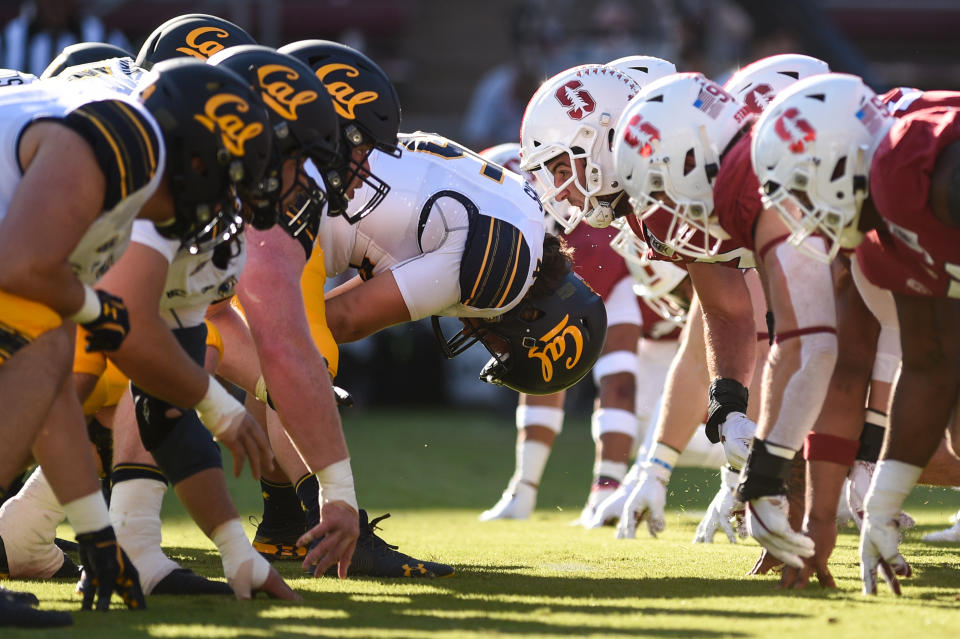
x,y
830,448
218,408
90,309
615,362
613,420
546,416
88,514
336,483
664,456
892,482
876,418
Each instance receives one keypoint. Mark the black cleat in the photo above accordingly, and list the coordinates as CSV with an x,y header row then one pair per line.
x,y
183,581
23,616
17,597
69,570
66,545
279,543
374,557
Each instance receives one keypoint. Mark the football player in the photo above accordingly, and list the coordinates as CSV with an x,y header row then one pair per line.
x,y
884,185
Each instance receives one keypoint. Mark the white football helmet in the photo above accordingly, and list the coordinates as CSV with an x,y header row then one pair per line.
x,y
644,69
667,151
574,113
758,83
654,280
812,150
14,78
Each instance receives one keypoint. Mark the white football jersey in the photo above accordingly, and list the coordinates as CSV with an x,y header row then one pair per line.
x,y
121,74
109,235
193,281
462,236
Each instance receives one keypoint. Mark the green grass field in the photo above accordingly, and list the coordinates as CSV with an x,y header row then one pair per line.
x,y
436,471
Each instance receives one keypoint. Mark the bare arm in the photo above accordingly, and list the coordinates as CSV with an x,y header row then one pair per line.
x,y
152,357
51,209
729,328
365,308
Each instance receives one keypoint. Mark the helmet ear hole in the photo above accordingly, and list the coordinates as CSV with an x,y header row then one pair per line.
x,y
839,169
689,162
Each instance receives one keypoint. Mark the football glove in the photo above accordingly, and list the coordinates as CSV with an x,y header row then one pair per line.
x,y
736,433
646,503
107,570
879,549
724,509
107,331
768,523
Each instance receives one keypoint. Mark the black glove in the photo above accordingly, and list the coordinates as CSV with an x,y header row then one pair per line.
x,y
726,396
106,333
107,570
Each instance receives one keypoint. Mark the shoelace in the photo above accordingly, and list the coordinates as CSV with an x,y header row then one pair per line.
x,y
372,526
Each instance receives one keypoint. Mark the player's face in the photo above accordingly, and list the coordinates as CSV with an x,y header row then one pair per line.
x,y
561,170
359,158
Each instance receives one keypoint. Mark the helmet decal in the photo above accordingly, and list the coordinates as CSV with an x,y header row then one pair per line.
x,y
794,130
345,98
711,99
278,94
640,135
222,111
555,346
199,42
759,97
873,115
577,100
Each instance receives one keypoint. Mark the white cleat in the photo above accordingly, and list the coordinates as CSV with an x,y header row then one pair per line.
x,y
597,496
951,534
517,502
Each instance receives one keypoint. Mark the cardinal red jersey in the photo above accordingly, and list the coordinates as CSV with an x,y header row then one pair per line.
x,y
903,100
926,251
594,260
655,327
736,194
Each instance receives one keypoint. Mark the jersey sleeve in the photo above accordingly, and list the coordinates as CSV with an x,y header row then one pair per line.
x,y
144,232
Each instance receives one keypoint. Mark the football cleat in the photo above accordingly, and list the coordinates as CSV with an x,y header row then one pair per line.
x,y
598,494
517,502
18,597
374,557
951,534
278,543
183,581
14,614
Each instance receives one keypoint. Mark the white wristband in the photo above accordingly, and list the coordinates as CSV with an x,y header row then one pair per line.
x,y
218,409
90,310
336,483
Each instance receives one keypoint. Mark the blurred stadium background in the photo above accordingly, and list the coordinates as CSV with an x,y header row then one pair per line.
x,y
466,69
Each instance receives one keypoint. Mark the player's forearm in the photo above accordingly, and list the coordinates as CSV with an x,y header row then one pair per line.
x,y
154,360
54,286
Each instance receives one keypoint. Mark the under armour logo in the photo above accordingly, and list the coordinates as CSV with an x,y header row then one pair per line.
x,y
576,100
795,131
408,570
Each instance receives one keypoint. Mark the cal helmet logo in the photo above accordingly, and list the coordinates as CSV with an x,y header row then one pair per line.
x,y
555,347
576,100
279,94
759,98
224,113
640,135
346,99
794,130
202,42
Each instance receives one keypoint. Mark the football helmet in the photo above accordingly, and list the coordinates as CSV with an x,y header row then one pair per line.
x,y
541,346
218,139
667,149
368,107
573,113
304,125
758,83
812,150
83,53
198,35
644,69
12,78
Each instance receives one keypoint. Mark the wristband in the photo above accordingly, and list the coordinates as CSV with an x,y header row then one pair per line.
x,y
90,309
336,484
664,456
218,409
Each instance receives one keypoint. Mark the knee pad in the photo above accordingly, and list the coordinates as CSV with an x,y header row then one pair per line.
x,y
187,449
615,362
612,420
546,416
